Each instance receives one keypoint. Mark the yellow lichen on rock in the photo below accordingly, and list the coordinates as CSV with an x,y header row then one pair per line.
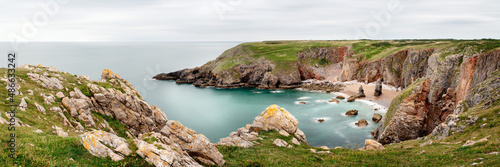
x,y
108,74
272,109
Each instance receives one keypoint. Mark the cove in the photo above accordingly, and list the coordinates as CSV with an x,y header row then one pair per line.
x,y
217,112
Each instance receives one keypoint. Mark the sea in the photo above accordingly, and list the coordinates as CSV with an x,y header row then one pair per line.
x,y
210,111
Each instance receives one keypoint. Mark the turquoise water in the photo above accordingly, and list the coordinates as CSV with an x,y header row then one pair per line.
x,y
210,111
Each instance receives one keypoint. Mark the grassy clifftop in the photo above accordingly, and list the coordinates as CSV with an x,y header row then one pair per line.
x,y
284,53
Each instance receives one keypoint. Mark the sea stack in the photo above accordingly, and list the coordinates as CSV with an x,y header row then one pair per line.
x,y
361,92
378,88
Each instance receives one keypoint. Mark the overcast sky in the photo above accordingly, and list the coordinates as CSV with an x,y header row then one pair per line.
x,y
248,20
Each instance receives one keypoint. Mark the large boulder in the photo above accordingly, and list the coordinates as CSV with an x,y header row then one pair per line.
x,y
376,117
160,154
97,142
351,113
372,145
362,123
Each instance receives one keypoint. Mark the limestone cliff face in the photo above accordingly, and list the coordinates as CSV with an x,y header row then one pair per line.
x,y
447,82
399,69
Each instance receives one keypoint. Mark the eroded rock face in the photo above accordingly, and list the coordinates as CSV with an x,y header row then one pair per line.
x,y
408,121
399,69
330,58
79,107
453,86
196,145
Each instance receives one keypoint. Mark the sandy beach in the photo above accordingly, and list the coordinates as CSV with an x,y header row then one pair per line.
x,y
388,92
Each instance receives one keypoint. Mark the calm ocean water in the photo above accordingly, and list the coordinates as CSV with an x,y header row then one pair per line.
x,y
210,111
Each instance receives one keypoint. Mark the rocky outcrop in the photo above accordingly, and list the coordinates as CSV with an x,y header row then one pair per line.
x,y
273,118
126,106
50,82
97,143
196,145
79,107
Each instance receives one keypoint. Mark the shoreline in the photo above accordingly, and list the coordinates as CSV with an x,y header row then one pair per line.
x,y
388,93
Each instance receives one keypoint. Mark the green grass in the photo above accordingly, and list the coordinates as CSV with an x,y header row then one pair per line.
x,y
51,150
117,126
401,154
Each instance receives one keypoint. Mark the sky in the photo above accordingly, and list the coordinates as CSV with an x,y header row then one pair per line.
x,y
246,20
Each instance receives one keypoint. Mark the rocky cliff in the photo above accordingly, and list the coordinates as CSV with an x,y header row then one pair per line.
x,y
429,102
